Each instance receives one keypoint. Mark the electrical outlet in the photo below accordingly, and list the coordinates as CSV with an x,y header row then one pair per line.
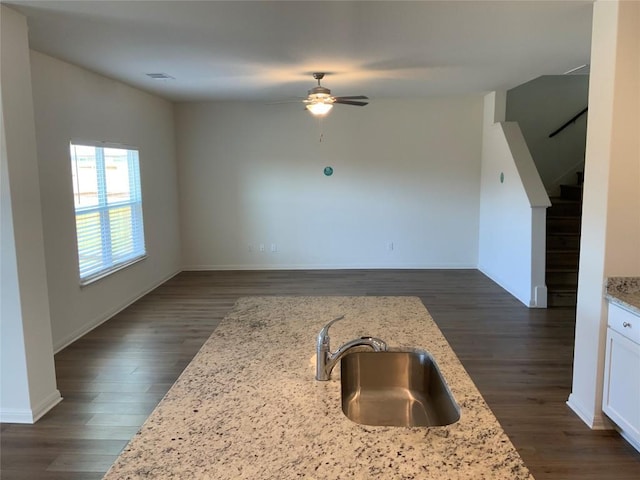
x,y
274,248
390,246
262,247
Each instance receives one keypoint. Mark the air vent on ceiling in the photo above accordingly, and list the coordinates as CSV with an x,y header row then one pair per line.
x,y
160,76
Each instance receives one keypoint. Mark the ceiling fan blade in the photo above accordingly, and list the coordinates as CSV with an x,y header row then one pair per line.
x,y
354,97
350,102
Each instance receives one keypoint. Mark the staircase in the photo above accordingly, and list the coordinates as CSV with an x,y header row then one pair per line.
x,y
563,245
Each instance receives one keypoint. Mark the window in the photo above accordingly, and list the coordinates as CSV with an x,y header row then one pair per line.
x,y
108,206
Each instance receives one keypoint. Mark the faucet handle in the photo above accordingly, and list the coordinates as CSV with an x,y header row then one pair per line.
x,y
323,336
377,344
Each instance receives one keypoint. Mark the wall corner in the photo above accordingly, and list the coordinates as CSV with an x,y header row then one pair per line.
x,y
495,107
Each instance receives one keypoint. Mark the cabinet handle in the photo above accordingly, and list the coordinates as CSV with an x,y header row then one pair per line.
x,y
626,324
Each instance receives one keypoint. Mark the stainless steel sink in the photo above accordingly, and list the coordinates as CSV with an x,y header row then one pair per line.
x,y
396,388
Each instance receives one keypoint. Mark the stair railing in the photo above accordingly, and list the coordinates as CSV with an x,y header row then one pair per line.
x,y
569,122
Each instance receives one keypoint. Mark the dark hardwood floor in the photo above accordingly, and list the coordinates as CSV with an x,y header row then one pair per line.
x,y
520,359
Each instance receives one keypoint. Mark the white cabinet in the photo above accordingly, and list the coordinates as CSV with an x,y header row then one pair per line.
x,y
621,397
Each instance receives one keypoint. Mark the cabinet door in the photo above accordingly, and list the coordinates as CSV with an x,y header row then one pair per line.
x,y
621,400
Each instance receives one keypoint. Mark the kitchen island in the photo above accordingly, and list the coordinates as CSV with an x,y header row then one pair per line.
x,y
248,405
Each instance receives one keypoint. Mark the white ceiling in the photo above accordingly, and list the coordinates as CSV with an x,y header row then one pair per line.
x,y
267,50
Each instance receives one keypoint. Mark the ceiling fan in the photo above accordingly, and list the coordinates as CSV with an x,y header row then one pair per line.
x,y
319,101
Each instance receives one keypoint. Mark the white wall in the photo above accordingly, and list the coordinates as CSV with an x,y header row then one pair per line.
x,y
73,103
27,377
611,204
405,172
540,107
513,206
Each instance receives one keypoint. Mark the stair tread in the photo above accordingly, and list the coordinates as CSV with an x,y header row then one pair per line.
x,y
568,234
564,200
564,287
564,222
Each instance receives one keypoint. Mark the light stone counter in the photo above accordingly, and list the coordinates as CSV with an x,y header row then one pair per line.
x,y
248,406
624,291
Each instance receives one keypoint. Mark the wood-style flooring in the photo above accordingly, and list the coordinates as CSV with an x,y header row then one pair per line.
x,y
112,378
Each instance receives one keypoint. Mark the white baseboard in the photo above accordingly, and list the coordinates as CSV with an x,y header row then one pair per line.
x,y
594,420
528,302
632,441
585,416
540,297
26,415
47,404
296,266
96,322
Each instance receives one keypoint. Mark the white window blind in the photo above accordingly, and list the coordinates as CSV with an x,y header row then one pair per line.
x,y
108,206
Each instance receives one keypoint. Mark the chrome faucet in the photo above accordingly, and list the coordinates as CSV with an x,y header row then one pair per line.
x,y
325,360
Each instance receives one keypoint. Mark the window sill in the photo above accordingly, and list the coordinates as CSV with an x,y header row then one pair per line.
x,y
105,273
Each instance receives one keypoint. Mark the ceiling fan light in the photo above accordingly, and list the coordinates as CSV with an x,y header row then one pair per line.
x,y
319,108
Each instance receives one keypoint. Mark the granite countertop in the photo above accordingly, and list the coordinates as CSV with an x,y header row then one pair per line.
x,y
624,291
248,405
